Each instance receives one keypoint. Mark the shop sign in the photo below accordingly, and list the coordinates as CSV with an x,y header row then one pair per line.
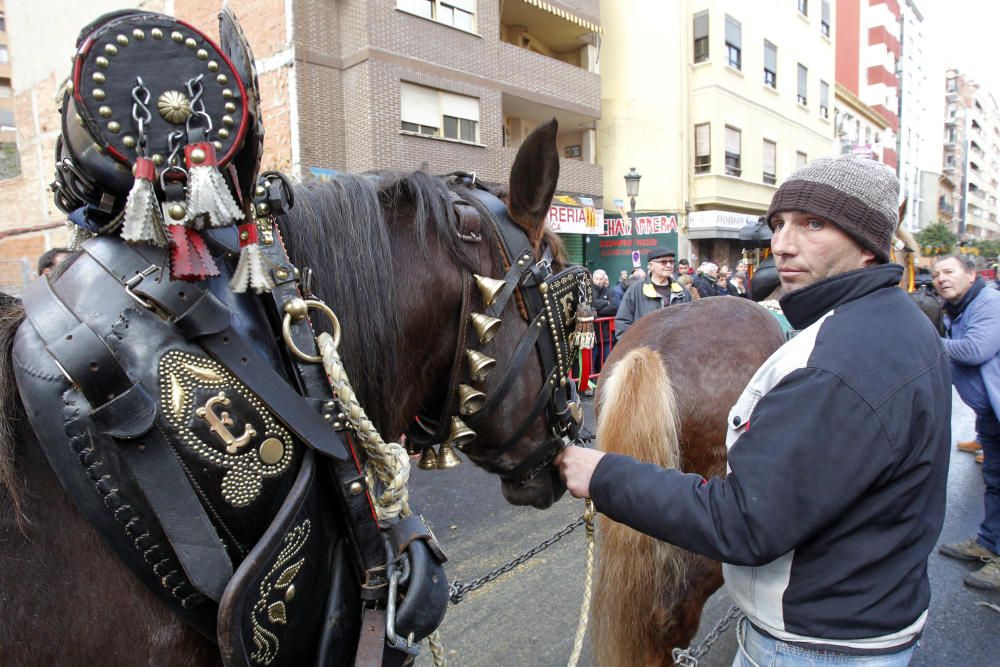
x,y
574,215
719,220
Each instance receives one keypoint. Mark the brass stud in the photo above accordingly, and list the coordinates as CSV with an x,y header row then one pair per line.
x,y
138,35
99,94
114,127
218,145
290,593
259,191
263,209
177,37
69,87
111,49
355,488
227,121
297,308
98,77
271,451
156,33
174,107
227,93
101,62
158,159
129,141
230,107
105,111
543,288
202,54
122,40
190,43
198,155
222,79
223,133
213,66
281,274
177,211
244,235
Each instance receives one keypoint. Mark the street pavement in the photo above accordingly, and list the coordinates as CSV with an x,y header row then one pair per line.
x,y
528,617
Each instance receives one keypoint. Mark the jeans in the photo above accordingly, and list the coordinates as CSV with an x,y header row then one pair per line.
x,y
988,435
757,650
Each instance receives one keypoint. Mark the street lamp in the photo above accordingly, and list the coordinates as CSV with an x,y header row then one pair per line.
x,y
632,188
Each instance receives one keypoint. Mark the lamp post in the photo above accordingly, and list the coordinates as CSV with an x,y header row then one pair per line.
x,y
632,188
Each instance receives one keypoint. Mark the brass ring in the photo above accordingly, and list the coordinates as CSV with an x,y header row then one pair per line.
x,y
286,330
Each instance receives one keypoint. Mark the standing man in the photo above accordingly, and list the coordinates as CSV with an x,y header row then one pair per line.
x,y
606,304
972,330
658,291
835,497
706,278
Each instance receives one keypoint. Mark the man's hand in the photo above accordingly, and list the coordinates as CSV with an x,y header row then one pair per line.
x,y
576,466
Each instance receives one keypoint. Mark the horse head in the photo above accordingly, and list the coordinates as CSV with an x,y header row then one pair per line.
x,y
446,294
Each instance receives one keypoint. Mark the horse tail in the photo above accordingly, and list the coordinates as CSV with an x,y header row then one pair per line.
x,y
639,418
11,409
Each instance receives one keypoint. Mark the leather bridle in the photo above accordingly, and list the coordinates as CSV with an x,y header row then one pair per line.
x,y
548,300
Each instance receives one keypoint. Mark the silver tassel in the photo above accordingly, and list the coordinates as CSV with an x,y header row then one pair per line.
x,y
250,272
208,195
143,219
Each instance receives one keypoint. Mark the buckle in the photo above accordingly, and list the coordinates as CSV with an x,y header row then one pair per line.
x,y
134,281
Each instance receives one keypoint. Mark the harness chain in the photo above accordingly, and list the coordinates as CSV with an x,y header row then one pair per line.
x,y
588,580
388,463
689,657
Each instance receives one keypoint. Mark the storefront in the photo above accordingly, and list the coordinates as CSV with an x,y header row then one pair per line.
x,y
615,249
576,220
715,236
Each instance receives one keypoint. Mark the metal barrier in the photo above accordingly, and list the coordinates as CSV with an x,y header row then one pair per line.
x,y
592,361
15,274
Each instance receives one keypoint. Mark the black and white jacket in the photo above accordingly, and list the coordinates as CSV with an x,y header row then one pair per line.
x,y
838,463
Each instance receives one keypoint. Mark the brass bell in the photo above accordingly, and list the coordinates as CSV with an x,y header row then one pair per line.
x,y
479,364
428,459
470,399
460,434
447,458
489,287
485,326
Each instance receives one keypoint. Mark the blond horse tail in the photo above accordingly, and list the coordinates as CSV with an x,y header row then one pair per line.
x,y
638,417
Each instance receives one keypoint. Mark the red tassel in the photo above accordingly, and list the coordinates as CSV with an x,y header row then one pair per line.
x,y
189,256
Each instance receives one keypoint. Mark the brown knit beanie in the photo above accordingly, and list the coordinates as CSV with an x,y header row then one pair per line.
x,y
858,195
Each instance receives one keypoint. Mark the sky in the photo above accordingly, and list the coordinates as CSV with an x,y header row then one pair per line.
x,y
959,33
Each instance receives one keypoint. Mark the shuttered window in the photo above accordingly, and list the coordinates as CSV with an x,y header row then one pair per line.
x,y
824,24
733,162
438,113
803,85
701,37
770,64
770,159
702,148
824,99
734,43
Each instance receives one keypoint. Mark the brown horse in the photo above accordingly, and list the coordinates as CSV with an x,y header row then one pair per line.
x,y
670,384
389,260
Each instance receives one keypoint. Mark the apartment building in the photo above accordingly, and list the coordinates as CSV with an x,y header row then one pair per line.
x,y
868,52
915,94
714,102
440,85
7,136
972,148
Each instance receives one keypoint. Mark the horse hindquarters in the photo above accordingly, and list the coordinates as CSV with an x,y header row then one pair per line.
x,y
646,600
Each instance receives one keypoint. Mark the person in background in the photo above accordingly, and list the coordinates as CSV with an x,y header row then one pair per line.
x,y
658,291
688,284
637,276
706,278
623,279
50,259
606,305
972,340
683,268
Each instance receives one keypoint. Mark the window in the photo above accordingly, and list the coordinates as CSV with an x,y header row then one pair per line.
x,y
437,113
952,85
770,64
3,22
804,7
824,22
734,50
458,13
770,160
824,99
803,80
4,57
702,148
5,90
733,151
701,37
800,159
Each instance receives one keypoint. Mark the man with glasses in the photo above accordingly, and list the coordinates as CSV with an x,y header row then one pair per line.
x,y
658,291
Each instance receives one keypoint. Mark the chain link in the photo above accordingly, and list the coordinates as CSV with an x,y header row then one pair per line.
x,y
689,657
457,591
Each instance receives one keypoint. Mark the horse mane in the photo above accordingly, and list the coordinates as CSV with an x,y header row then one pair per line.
x,y
11,413
649,431
341,230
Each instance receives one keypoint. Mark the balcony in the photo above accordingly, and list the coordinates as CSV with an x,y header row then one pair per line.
x,y
534,26
548,77
711,190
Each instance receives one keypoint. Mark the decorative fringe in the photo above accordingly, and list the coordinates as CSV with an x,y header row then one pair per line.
x,y
143,217
208,195
189,256
583,335
250,271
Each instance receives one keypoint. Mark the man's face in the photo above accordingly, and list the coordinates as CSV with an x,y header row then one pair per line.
x,y
600,279
808,249
662,268
951,279
623,276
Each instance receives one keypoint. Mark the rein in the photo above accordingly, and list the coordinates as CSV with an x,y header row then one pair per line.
x,y
548,301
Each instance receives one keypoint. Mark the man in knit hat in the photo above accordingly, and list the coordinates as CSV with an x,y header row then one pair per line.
x,y
835,498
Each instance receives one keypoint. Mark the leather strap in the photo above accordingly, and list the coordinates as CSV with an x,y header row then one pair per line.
x,y
170,493
371,643
204,319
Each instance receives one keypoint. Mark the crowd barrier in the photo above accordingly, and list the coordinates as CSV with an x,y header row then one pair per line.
x,y
590,362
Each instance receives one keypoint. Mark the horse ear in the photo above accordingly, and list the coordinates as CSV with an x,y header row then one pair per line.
x,y
533,180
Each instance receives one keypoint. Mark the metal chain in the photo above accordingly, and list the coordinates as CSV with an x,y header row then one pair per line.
x,y
458,590
689,657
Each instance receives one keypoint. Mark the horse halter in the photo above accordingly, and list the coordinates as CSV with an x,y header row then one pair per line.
x,y
548,301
